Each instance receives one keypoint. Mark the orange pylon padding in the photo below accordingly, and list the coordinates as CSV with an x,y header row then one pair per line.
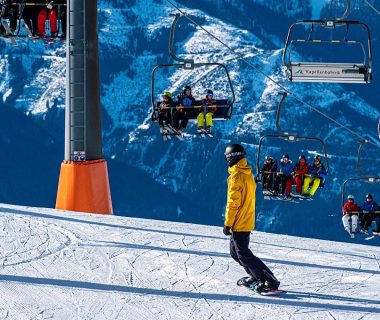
x,y
84,187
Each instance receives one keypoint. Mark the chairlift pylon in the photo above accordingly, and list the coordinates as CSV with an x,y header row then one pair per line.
x,y
336,72
224,106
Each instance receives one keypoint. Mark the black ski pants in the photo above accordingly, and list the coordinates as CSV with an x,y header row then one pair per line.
x,y
366,219
180,115
240,252
164,115
268,180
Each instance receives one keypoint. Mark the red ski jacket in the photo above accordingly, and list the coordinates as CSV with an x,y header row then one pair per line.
x,y
350,207
211,103
301,169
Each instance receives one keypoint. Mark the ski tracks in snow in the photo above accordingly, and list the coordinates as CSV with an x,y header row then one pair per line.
x,y
68,265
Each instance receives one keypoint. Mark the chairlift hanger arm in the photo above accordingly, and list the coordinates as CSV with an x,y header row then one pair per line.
x,y
278,115
177,16
346,12
358,162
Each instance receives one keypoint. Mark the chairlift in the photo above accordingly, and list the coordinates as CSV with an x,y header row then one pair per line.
x,y
224,106
290,137
335,72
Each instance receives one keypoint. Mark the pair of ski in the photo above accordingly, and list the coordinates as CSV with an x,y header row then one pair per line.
x,y
370,237
270,195
47,41
373,236
168,132
11,37
204,132
9,33
301,197
242,283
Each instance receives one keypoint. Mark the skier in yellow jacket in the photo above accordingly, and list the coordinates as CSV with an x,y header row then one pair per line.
x,y
240,220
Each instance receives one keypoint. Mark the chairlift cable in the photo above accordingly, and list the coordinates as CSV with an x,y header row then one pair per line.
x,y
250,64
372,7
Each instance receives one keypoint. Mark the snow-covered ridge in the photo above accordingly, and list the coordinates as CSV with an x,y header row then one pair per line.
x,y
66,265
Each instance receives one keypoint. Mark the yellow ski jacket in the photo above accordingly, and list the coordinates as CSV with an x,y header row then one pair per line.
x,y
241,198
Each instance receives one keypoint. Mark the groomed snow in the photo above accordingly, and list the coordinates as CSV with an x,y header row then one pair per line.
x,y
64,265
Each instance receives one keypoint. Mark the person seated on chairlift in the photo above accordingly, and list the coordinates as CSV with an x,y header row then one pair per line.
x,y
210,103
47,12
299,170
317,173
62,17
368,214
350,213
284,174
165,109
184,99
268,171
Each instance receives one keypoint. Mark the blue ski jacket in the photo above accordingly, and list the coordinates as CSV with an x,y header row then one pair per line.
x,y
318,170
285,168
370,206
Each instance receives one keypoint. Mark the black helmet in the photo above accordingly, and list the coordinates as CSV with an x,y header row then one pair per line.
x,y
186,88
369,196
318,157
285,156
268,157
302,157
234,153
209,92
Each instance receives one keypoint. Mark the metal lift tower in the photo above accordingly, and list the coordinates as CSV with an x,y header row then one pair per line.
x,y
83,182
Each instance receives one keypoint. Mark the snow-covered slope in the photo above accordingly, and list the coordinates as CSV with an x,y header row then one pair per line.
x,y
64,265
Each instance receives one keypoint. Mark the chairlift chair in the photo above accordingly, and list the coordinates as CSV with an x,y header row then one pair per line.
x,y
224,106
290,137
21,6
336,72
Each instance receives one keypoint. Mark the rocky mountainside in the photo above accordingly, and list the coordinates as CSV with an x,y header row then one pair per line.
x,y
185,181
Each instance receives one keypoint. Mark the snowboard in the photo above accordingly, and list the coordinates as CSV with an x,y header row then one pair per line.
x,y
241,283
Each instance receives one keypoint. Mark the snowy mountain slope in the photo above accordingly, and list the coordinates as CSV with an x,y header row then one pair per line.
x,y
186,181
65,265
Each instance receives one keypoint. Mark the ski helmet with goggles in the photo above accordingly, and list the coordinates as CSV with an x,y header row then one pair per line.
x,y
185,88
318,157
285,156
369,196
302,157
234,153
350,197
209,93
268,157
